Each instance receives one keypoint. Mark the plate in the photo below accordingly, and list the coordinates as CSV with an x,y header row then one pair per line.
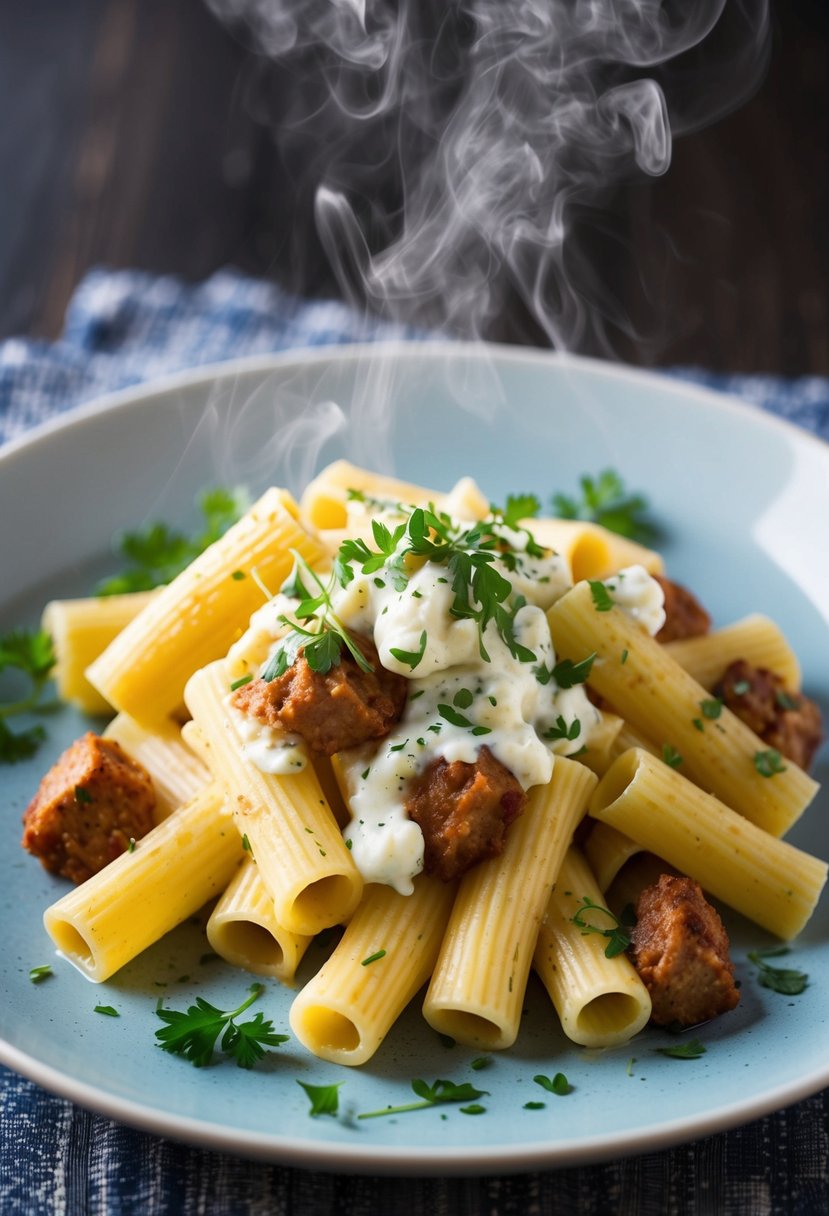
x,y
740,496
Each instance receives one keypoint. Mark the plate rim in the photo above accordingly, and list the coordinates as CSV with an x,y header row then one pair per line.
x,y
394,1160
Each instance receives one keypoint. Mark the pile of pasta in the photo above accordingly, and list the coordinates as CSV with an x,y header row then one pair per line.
x,y
269,849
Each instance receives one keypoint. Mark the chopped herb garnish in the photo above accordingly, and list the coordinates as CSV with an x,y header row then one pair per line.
x,y
692,1050
410,657
480,1062
158,553
241,682
457,719
373,958
31,653
131,845
108,1010
786,701
711,708
617,934
325,1099
624,657
431,1095
534,1105
602,599
604,500
238,575
784,980
38,974
567,674
769,763
671,756
557,1085
741,687
82,794
193,1034
562,731
463,698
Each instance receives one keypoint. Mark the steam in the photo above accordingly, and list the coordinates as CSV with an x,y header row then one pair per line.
x,y
455,150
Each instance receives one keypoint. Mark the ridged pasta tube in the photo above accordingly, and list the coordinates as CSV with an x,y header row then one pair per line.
x,y
244,931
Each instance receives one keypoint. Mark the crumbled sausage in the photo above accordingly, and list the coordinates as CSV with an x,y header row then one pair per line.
x,y
342,708
788,722
685,616
88,807
464,811
680,949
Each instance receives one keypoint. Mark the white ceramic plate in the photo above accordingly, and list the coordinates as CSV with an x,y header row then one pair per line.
x,y
743,500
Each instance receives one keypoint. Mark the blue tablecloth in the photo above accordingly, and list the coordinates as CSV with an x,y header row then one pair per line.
x,y
56,1158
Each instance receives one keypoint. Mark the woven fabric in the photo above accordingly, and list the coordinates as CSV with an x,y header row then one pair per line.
x,y
59,1160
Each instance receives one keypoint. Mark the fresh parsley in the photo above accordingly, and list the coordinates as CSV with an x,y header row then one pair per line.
x,y
605,500
437,1094
602,599
30,654
671,756
193,1034
38,974
784,980
617,933
692,1050
156,554
324,1099
556,1085
769,763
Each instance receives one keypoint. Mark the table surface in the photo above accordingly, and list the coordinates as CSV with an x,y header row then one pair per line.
x,y
137,133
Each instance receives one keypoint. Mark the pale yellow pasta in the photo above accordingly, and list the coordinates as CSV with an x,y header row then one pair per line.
x,y
607,851
600,1001
768,880
385,956
323,501
244,931
590,550
177,772
81,629
196,617
171,873
302,858
650,690
755,638
600,751
477,990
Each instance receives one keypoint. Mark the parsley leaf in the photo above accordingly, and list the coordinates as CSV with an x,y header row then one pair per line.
x,y
410,657
769,763
29,653
692,1050
604,500
784,980
156,554
431,1095
558,1085
325,1099
618,937
193,1034
602,599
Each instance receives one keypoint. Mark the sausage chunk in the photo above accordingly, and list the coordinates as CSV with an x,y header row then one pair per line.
x,y
789,722
685,616
680,949
464,811
342,708
92,801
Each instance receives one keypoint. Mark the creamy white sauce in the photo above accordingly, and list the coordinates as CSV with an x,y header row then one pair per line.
x,y
459,700
640,596
272,750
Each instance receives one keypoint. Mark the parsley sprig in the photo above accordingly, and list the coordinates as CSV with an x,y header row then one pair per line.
x,y
156,554
481,593
439,1092
322,637
617,934
605,500
193,1034
30,653
785,980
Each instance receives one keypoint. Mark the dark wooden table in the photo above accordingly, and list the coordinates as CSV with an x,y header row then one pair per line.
x,y
135,133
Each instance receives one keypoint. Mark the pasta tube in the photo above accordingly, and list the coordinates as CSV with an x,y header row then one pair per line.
x,y
592,551
478,986
755,638
136,899
648,688
302,858
768,880
244,931
81,630
194,619
386,954
601,1001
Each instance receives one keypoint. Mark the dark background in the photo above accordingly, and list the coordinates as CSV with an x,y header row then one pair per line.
x,y
131,135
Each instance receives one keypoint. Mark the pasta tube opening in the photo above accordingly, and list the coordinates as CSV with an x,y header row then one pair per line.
x,y
311,909
74,946
251,946
332,1034
611,1015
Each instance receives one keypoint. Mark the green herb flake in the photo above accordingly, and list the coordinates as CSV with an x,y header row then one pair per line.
x,y
373,958
671,756
769,763
711,708
784,980
556,1085
193,1034
411,657
108,1010
436,1094
241,682
82,794
692,1050
617,933
535,1105
324,1099
238,575
602,599
38,974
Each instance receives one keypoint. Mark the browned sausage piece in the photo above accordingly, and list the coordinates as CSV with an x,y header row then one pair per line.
x,y
680,949
340,709
787,721
685,616
464,811
92,801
